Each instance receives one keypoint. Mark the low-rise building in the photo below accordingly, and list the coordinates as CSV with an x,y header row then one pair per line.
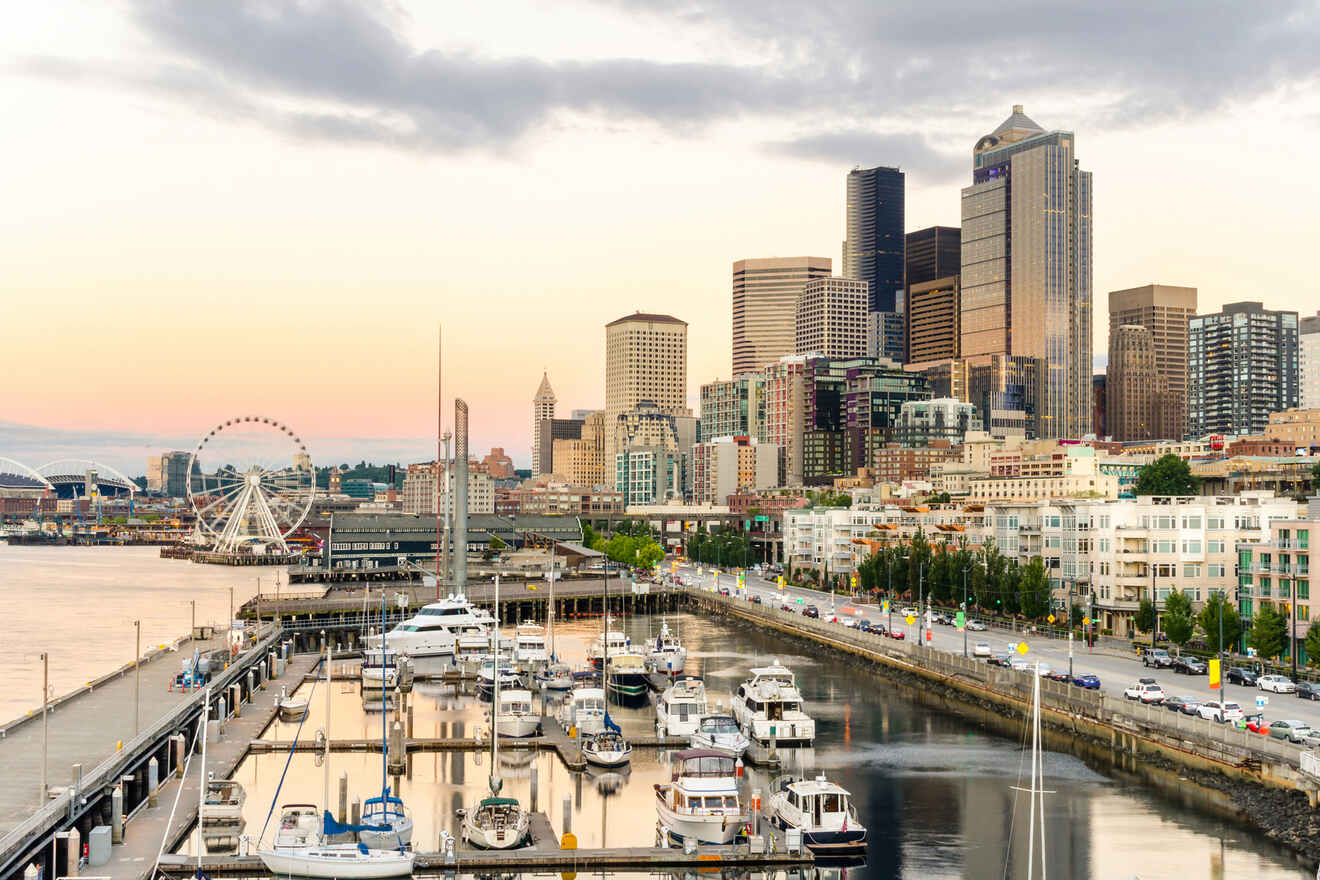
x,y
895,463
920,422
1298,427
1277,571
725,466
421,495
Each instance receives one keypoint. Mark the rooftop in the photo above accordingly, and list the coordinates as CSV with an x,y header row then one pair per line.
x,y
648,318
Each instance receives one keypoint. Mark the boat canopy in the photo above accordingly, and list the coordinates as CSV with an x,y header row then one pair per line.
x,y
330,826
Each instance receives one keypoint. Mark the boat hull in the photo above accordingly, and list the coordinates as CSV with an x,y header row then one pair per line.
x,y
329,862
517,725
399,835
607,758
496,838
836,842
712,830
720,743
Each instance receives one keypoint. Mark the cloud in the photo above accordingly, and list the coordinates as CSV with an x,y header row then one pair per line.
x,y
343,71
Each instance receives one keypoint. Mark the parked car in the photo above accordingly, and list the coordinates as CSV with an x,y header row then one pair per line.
x,y
944,619
755,597
1242,675
787,607
976,626
811,611
1215,710
1184,704
1290,729
1000,660
1149,693
1308,690
1278,684
1058,675
1018,663
1156,657
1255,724
898,635
850,622
1088,680
981,649
1188,665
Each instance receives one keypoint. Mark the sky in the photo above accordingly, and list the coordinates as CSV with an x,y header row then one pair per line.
x,y
217,207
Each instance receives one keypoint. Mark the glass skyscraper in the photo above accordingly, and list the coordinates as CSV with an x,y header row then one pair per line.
x,y
874,250
1026,263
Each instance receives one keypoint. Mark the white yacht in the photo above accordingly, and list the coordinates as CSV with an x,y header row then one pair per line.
x,y
380,667
434,629
298,851
618,643
768,707
386,823
821,810
584,707
529,646
701,800
720,732
514,715
666,654
608,749
224,802
508,676
679,709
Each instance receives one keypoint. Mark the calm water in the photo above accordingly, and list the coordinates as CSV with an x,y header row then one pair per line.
x,y
79,603
934,791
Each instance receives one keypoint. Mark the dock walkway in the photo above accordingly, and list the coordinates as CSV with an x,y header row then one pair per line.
x,y
86,727
150,826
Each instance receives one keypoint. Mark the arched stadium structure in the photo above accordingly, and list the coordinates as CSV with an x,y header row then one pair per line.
x,y
68,478
17,478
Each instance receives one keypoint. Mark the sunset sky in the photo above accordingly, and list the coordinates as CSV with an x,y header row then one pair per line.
x,y
218,208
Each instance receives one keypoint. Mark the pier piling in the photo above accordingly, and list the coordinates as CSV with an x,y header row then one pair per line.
x,y
153,781
568,814
117,815
343,797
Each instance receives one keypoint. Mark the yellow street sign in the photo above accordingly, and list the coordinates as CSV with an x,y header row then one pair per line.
x,y
910,619
1050,618
1022,648
1086,621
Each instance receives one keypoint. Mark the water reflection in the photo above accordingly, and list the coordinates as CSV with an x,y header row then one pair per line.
x,y
935,791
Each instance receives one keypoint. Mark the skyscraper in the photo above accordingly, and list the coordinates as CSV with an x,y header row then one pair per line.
x,y
733,407
645,360
543,409
1309,362
932,253
765,293
932,318
832,318
1026,263
874,250
1241,366
1132,384
1165,311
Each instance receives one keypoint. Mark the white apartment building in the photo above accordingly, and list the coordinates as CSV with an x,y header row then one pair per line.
x,y
419,494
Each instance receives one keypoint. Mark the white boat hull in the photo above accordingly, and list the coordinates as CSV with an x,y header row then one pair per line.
x,y
517,725
399,835
733,745
716,830
338,862
496,838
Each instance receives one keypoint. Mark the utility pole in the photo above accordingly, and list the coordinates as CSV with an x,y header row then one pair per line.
x,y
921,601
137,674
230,623
45,727
964,609
192,626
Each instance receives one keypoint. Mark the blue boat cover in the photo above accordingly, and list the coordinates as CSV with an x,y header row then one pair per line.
x,y
330,826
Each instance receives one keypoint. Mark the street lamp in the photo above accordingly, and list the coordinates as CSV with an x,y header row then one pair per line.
x,y
921,600
966,569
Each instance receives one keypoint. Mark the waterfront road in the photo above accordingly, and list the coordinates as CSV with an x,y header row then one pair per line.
x,y
1116,670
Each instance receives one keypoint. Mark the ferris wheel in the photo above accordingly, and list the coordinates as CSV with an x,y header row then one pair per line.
x,y
250,481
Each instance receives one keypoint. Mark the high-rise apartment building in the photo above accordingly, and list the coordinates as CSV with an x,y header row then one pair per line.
x,y
543,409
645,360
1165,311
874,249
832,318
733,407
729,465
1133,384
1308,362
1241,366
420,494
885,336
933,316
933,252
168,473
765,295
1026,263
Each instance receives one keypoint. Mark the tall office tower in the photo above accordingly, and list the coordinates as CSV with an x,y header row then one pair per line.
x,y
1165,311
832,318
543,410
1241,366
885,336
933,252
645,360
1099,397
932,319
1133,384
733,407
1026,263
874,249
765,294
1309,362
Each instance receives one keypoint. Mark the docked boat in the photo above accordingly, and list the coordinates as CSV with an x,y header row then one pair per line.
x,y
556,677
486,675
529,649
433,630
380,668
386,823
608,749
720,732
223,804
497,823
584,707
514,715
626,679
701,801
679,709
768,707
617,644
666,654
291,709
299,851
821,810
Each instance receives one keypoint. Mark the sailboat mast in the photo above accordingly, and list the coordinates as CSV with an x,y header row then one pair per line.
x,y
495,704
550,613
326,762
1035,751
201,795
384,740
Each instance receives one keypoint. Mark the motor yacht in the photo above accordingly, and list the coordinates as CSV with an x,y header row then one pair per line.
x,y
618,643
700,801
584,707
821,810
291,709
224,802
556,677
529,649
608,749
433,630
768,707
721,732
514,715
679,709
666,654
508,676
626,679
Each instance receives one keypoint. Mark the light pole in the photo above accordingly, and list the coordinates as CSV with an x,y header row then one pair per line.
x,y
1219,654
966,569
921,601
137,674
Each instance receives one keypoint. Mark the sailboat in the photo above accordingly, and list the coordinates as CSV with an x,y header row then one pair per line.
x,y
496,822
607,748
556,676
386,821
1037,803
301,849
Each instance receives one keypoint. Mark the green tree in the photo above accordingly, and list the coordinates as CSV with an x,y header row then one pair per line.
x,y
1269,632
1144,620
1167,475
1315,480
1034,589
649,554
1313,646
1178,620
1077,616
1215,606
496,544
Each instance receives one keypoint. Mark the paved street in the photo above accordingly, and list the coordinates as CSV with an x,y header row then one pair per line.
x,y
1116,671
